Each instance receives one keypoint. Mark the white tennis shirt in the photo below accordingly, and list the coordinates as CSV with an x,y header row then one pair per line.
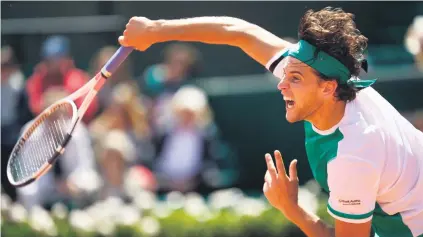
x,y
371,164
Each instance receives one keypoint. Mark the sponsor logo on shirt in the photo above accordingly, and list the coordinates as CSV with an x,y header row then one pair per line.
x,y
353,202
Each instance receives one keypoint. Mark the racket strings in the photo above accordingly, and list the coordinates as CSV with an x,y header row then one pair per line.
x,y
43,140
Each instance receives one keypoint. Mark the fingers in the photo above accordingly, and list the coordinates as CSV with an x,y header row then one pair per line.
x,y
279,163
266,188
267,182
273,173
271,166
122,41
132,20
293,175
267,177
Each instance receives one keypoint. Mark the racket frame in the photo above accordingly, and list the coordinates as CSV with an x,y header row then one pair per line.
x,y
90,90
28,132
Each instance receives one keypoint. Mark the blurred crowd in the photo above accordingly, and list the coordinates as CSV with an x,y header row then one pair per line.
x,y
153,131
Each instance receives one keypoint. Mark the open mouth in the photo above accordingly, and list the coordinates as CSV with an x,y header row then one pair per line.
x,y
289,103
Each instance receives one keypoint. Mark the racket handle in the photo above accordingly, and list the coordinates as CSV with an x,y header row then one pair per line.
x,y
114,62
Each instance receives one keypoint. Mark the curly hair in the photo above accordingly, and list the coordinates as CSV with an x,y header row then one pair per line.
x,y
334,31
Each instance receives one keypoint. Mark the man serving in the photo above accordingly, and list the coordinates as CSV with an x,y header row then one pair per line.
x,y
366,155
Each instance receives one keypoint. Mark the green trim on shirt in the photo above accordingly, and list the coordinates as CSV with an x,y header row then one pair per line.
x,y
320,150
350,216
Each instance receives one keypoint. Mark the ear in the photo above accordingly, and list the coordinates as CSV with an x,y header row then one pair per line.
x,y
329,87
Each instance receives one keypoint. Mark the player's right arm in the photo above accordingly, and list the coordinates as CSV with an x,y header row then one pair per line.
x,y
258,43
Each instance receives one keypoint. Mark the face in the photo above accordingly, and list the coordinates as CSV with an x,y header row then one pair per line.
x,y
186,118
303,92
53,64
113,167
5,72
177,65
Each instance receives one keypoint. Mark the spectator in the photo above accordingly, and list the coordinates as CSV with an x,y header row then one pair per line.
x,y
162,80
180,64
190,154
74,174
14,109
414,41
115,157
57,69
126,113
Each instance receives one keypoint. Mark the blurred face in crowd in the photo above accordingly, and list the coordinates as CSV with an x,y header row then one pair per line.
x,y
113,166
303,91
186,117
55,66
8,66
6,71
178,64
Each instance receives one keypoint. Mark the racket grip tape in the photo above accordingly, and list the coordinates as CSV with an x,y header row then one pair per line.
x,y
114,62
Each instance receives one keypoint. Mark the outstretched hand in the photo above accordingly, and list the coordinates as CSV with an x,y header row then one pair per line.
x,y
280,189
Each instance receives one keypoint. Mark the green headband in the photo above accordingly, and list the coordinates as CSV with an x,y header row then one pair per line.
x,y
325,64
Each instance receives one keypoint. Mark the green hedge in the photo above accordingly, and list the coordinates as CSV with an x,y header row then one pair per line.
x,y
188,216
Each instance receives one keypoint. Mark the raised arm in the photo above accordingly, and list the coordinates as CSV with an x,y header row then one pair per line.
x,y
258,43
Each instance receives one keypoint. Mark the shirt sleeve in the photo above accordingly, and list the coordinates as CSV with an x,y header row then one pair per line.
x,y
353,185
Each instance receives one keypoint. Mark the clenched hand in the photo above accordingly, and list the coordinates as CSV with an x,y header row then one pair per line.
x,y
140,33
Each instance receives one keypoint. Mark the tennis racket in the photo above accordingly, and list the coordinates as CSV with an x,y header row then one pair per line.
x,y
45,139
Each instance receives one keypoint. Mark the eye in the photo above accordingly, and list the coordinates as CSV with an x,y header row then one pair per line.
x,y
295,79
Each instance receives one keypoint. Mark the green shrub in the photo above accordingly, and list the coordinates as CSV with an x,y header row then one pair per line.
x,y
176,222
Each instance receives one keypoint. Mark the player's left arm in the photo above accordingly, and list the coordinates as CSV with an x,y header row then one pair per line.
x,y
353,184
314,226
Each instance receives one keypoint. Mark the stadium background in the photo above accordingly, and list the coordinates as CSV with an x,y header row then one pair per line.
x,y
246,106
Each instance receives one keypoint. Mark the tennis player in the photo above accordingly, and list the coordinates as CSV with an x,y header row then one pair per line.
x,y
361,150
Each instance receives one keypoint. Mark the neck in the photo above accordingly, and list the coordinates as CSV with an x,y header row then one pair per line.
x,y
328,115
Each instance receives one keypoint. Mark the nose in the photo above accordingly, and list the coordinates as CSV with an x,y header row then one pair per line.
x,y
283,85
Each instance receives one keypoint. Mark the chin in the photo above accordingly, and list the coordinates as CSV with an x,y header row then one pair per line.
x,y
292,118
